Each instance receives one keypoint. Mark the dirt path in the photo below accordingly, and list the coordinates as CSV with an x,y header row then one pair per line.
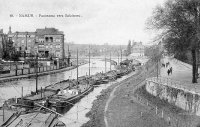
x,y
116,106
112,94
122,109
107,103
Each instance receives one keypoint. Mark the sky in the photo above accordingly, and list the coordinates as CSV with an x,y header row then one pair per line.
x,y
100,21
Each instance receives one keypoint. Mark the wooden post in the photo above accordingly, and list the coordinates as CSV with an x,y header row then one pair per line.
x,y
41,92
15,72
105,61
15,99
156,110
121,52
89,60
177,123
110,61
77,111
22,91
36,74
3,114
77,68
44,93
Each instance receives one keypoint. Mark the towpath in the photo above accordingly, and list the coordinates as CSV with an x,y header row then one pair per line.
x,y
180,71
122,109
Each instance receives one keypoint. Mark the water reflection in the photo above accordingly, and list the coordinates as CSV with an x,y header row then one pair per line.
x,y
14,88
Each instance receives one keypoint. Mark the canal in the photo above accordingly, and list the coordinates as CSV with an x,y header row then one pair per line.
x,y
14,88
75,117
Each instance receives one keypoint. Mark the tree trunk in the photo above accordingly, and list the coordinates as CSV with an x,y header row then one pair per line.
x,y
197,63
194,67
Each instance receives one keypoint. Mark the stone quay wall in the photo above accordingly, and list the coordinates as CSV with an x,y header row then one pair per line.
x,y
184,96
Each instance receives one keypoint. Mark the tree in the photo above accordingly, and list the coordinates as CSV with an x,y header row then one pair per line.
x,y
128,50
15,56
152,52
177,22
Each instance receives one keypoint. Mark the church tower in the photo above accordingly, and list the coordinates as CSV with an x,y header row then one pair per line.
x,y
9,32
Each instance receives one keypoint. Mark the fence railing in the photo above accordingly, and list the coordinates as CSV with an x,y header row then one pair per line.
x,y
25,71
173,120
187,87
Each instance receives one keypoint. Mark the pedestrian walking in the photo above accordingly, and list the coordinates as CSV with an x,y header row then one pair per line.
x,y
168,72
171,70
163,65
167,64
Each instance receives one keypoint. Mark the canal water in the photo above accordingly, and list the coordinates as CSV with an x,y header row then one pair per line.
x,y
75,117
14,88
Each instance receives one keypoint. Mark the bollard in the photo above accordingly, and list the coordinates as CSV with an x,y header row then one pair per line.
x,y
28,70
140,114
147,103
22,71
162,114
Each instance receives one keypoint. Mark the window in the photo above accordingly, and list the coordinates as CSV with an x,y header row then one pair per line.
x,y
57,40
46,39
57,46
57,54
51,39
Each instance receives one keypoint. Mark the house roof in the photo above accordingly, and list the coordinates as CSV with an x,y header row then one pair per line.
x,y
20,33
51,31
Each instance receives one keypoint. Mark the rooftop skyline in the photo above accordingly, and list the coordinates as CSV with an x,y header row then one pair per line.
x,y
91,21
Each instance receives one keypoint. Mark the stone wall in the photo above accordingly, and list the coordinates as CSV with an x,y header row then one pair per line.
x,y
184,99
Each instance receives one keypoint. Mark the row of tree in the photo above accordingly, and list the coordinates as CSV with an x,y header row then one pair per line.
x,y
9,52
177,21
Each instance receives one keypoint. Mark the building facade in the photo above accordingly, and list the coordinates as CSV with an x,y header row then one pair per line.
x,y
23,42
50,42
47,42
137,49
